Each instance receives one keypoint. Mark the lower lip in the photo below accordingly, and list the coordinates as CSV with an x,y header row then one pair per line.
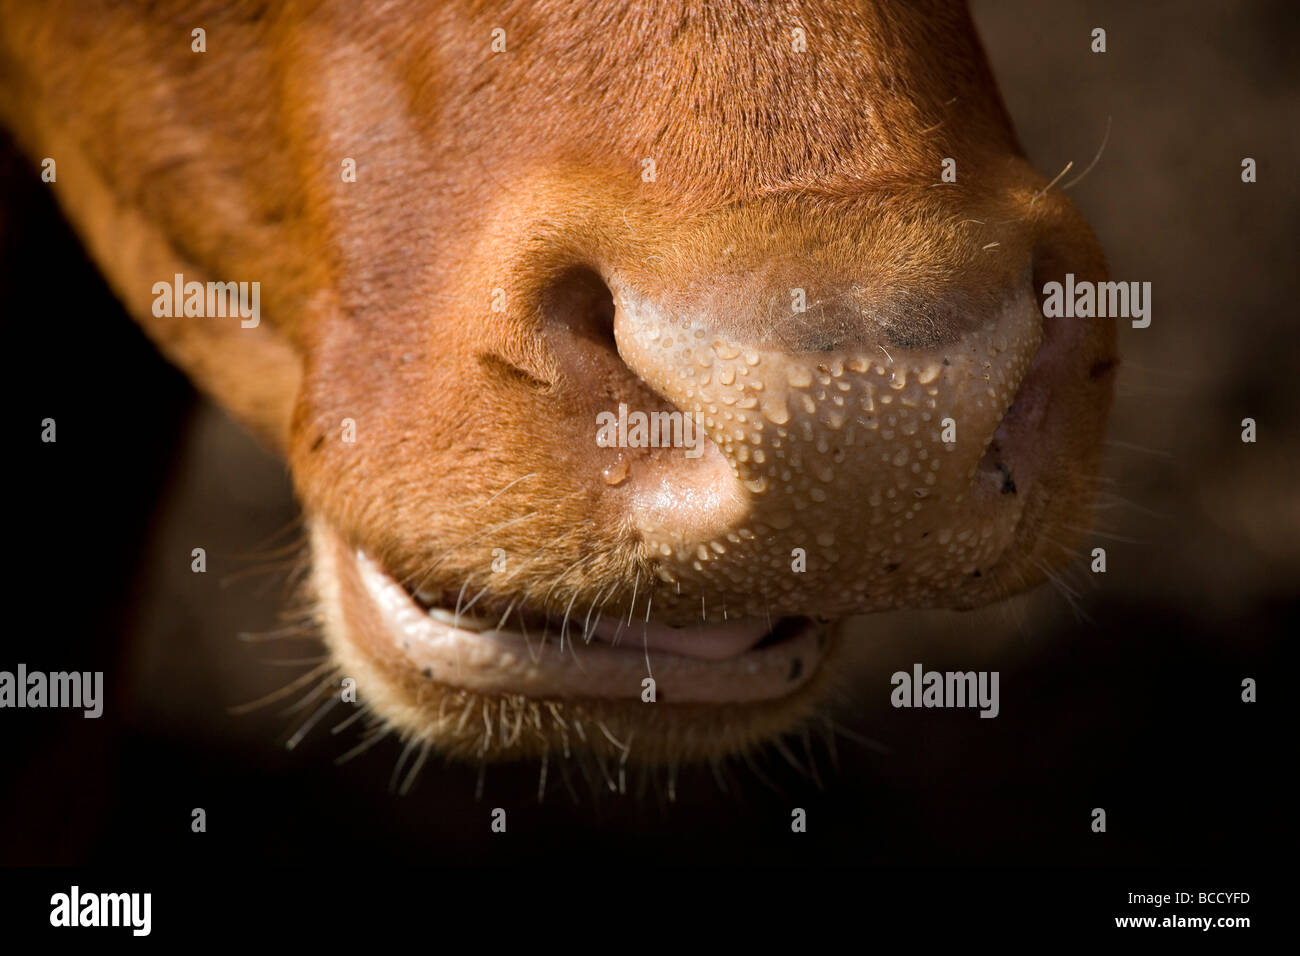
x,y
376,616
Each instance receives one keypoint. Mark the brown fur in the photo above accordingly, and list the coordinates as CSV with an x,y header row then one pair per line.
x,y
479,171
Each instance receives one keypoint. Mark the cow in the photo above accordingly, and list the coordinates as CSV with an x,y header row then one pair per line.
x,y
451,239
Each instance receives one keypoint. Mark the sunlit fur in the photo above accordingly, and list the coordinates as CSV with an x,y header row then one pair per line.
x,y
478,171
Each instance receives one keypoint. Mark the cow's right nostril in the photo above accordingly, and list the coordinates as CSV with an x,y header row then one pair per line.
x,y
577,329
643,451
578,305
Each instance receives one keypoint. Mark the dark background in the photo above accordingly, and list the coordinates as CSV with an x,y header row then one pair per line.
x,y
1126,696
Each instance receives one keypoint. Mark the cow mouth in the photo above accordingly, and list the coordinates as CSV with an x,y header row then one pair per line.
x,y
532,654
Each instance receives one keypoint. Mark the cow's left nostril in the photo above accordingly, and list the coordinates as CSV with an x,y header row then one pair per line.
x,y
1102,368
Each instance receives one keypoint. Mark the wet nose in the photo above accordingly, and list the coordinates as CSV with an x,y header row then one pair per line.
x,y
846,426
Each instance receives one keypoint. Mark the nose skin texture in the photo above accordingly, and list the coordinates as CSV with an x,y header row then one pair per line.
x,y
830,487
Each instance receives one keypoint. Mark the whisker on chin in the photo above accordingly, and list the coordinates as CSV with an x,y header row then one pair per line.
x,y
374,736
1144,449
269,568
295,661
277,634
295,685
347,722
1068,593
297,524
407,749
415,769
306,726
1101,534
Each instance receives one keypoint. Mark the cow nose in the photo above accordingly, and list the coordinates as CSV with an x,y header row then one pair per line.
x,y
847,429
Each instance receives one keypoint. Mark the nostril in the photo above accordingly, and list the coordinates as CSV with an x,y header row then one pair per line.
x,y
1102,368
1019,445
671,480
994,469
578,305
